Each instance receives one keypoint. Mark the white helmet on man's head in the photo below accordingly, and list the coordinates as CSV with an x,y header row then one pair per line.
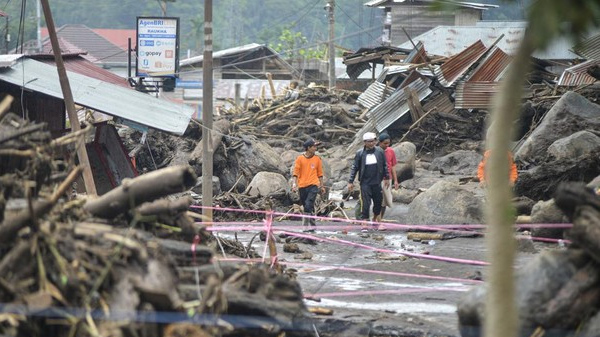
x,y
369,136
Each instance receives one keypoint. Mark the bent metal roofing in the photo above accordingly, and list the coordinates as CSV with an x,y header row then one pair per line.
x,y
100,96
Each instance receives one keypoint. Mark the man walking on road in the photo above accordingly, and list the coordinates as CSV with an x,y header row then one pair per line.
x,y
391,161
308,180
371,167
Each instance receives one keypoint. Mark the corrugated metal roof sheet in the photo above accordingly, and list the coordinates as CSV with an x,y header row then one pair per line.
x,y
417,55
101,96
354,70
475,95
99,49
577,75
82,66
224,52
376,93
439,102
9,60
463,4
589,48
450,40
398,69
457,65
492,67
396,106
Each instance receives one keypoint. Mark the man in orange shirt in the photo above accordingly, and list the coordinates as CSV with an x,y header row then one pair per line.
x,y
308,180
481,171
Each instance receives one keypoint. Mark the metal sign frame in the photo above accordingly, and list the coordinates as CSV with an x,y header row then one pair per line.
x,y
157,51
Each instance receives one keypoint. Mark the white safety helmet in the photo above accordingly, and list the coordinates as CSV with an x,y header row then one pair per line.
x,y
369,136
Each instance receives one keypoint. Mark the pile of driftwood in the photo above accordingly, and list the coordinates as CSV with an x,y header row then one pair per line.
x,y
129,263
558,293
316,111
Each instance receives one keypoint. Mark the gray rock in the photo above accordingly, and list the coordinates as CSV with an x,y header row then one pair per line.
x,y
216,186
288,158
571,113
595,183
258,156
406,155
268,183
459,162
404,195
546,212
445,203
536,285
579,144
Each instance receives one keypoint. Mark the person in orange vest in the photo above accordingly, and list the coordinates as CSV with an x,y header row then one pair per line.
x,y
481,168
308,180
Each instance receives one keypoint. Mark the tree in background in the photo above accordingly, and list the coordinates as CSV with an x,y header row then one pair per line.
x,y
294,46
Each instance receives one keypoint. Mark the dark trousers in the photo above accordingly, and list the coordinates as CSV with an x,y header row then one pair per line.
x,y
308,195
368,193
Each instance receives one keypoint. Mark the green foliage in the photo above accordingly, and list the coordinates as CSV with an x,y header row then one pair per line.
x,y
550,19
292,45
234,21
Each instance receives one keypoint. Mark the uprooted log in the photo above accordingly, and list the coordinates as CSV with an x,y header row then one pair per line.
x,y
148,187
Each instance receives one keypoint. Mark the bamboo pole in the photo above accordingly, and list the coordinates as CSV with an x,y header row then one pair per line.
x,y
84,161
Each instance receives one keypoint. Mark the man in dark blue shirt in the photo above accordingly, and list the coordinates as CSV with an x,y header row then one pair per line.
x,y
371,167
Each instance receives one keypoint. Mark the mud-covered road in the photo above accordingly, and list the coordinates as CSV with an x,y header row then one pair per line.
x,y
375,290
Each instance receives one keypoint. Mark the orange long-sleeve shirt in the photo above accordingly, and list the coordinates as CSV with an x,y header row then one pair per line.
x,y
481,168
308,170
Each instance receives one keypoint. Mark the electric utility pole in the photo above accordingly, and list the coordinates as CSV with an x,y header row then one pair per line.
x,y
207,114
84,161
330,5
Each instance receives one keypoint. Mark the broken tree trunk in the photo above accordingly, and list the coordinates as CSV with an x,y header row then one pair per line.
x,y
148,187
166,206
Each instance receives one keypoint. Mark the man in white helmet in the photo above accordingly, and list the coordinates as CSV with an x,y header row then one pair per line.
x,y
371,166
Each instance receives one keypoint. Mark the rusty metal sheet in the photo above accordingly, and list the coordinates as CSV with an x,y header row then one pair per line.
x,y
417,55
439,102
457,65
475,95
577,75
492,68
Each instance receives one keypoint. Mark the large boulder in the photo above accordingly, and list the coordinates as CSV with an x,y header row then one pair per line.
x,y
268,184
579,144
445,203
571,113
406,153
461,162
546,212
537,287
288,158
257,156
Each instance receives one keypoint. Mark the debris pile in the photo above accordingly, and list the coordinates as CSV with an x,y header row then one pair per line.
x,y
120,264
314,111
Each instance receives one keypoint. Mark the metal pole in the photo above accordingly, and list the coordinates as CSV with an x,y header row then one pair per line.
x,y
39,27
207,114
84,161
128,59
330,5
